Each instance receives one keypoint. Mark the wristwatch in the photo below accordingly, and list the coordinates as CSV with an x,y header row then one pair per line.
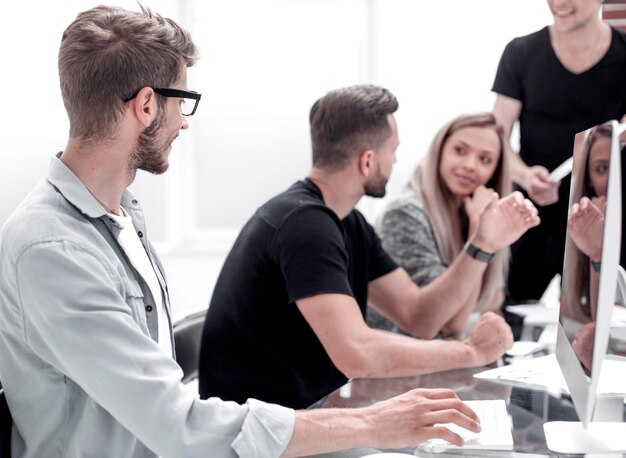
x,y
477,253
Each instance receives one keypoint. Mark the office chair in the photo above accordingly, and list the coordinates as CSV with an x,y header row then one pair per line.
x,y
6,424
187,337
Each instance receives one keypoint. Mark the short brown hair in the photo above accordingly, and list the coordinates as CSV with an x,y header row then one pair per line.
x,y
347,121
107,54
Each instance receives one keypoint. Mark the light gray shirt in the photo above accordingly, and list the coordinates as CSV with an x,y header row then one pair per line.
x,y
407,235
79,362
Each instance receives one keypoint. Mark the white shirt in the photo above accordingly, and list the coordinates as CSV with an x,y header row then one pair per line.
x,y
130,243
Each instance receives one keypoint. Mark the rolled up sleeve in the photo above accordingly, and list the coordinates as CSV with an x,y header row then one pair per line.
x,y
265,431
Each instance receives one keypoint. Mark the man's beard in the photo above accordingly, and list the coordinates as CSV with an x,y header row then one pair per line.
x,y
376,187
149,153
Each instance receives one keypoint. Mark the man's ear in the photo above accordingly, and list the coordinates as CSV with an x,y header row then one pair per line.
x,y
366,162
144,106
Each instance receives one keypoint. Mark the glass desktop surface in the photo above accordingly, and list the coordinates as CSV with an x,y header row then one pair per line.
x,y
528,409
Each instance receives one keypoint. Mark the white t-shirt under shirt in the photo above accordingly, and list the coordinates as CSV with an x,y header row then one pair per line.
x,y
130,243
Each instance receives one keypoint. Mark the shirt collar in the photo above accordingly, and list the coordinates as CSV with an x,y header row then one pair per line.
x,y
311,186
75,192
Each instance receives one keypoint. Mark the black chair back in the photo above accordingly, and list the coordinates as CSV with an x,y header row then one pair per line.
x,y
187,338
6,423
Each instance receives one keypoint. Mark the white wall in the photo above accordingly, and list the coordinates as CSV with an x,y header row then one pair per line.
x,y
263,63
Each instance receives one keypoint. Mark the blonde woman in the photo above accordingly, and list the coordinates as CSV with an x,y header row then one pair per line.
x,y
427,226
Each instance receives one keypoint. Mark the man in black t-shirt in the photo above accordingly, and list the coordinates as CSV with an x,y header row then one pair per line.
x,y
558,81
286,321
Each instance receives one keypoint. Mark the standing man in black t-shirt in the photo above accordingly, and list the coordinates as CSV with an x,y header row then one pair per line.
x,y
286,321
558,81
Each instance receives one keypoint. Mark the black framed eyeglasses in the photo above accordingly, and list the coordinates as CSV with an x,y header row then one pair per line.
x,y
187,107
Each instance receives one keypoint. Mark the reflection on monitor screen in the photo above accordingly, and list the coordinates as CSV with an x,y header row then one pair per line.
x,y
591,336
585,235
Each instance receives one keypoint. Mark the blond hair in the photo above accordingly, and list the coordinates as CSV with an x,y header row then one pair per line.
x,y
442,207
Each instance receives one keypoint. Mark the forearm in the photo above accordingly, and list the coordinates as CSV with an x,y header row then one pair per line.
x,y
518,168
325,430
507,111
494,304
386,354
452,293
424,311
398,422
455,325
407,236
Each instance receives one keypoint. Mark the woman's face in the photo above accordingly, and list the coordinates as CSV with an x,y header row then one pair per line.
x,y
598,164
469,158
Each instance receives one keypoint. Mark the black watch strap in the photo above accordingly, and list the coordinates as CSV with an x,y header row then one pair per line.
x,y
477,253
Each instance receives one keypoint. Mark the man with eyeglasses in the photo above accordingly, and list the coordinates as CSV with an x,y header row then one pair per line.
x,y
188,99
86,353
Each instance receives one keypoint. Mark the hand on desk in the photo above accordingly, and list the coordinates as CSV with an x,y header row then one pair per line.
x,y
410,418
490,338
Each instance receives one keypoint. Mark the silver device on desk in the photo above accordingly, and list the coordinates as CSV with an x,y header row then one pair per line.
x,y
587,305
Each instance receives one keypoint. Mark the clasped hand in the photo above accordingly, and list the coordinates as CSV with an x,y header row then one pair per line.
x,y
490,337
501,221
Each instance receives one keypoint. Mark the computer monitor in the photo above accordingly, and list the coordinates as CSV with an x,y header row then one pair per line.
x,y
592,280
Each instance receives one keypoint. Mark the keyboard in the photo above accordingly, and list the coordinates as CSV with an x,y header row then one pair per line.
x,y
495,431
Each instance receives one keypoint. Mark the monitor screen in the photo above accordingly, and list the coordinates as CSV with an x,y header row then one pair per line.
x,y
591,319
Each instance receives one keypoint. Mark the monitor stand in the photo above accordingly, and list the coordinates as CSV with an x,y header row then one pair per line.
x,y
606,433
571,437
